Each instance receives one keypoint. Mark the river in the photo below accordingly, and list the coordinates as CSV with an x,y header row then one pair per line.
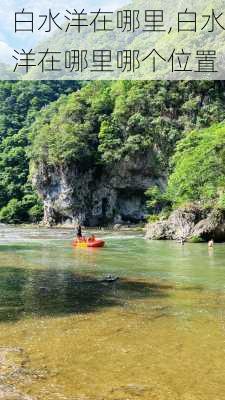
x,y
157,333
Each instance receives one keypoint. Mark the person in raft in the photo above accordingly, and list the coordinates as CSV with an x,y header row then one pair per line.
x,y
91,238
79,231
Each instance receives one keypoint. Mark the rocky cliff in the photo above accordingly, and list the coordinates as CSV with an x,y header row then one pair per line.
x,y
189,223
97,196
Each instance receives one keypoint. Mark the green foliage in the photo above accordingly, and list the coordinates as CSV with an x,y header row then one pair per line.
x,y
137,125
122,119
199,167
155,197
221,199
150,117
67,131
28,209
19,106
195,239
157,200
153,218
35,213
13,212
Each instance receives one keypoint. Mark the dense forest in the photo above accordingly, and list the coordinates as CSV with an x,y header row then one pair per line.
x,y
19,106
179,125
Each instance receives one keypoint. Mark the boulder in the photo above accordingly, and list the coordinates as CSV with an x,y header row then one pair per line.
x,y
212,227
189,222
117,227
157,231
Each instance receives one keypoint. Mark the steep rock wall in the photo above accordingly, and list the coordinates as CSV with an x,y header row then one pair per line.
x,y
96,196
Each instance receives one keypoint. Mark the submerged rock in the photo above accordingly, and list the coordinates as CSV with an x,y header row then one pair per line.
x,y
189,223
15,371
7,392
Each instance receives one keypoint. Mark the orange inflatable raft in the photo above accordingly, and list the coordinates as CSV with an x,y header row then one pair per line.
x,y
88,242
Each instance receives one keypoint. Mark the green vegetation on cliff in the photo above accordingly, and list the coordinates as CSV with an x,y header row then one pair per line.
x,y
199,168
117,120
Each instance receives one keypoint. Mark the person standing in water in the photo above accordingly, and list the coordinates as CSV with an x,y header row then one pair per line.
x,y
211,243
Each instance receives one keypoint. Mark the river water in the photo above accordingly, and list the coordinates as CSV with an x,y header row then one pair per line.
x,y
157,333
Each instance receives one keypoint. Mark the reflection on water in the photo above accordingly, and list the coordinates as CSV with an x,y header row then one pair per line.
x,y
158,332
27,293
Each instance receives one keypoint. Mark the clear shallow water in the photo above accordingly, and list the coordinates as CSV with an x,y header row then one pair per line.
x,y
157,333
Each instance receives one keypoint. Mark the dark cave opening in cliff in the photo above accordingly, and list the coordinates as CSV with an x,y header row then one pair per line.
x,y
131,206
105,219
105,206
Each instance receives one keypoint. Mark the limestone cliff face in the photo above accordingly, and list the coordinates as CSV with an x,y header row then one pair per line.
x,y
97,196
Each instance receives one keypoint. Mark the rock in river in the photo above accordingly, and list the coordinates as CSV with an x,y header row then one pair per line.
x,y
190,223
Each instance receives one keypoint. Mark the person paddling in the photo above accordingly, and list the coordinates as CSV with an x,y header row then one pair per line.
x,y
79,231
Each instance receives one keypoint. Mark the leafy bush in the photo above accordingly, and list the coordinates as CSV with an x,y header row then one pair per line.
x,y
157,200
195,239
13,212
36,213
221,200
28,209
153,218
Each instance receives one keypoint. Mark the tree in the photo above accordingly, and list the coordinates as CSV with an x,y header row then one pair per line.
x,y
199,167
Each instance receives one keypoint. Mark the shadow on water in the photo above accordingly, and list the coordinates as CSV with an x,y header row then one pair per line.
x,y
26,293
